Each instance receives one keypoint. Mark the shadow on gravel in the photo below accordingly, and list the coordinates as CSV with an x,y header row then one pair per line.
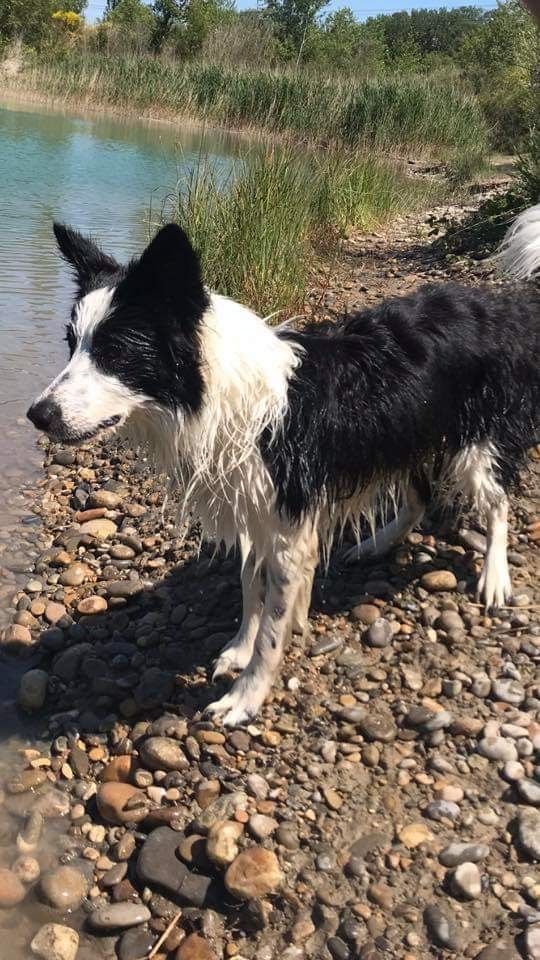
x,y
154,651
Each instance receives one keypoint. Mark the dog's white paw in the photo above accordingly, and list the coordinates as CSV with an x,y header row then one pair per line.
x,y
231,711
235,656
494,585
242,703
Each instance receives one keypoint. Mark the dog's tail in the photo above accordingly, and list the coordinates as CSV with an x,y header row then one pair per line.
x,y
519,255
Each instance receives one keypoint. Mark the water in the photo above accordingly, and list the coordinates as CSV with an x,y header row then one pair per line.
x,y
105,176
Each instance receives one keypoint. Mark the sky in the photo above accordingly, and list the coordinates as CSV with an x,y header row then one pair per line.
x,y
362,8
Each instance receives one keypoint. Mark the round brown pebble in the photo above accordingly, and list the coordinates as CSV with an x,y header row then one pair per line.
x,y
438,580
92,605
119,770
254,873
195,947
113,799
12,891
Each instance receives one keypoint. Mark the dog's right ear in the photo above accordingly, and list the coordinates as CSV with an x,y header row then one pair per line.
x,y
87,260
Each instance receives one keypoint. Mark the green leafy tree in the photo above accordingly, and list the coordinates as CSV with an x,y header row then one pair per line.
x,y
345,45
167,15
129,13
31,21
409,37
501,60
71,6
200,18
294,19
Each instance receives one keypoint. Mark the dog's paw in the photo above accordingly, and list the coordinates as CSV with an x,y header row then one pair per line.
x,y
243,701
235,656
232,711
494,587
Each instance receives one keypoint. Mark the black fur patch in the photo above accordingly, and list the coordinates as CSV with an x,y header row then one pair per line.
x,y
393,387
150,339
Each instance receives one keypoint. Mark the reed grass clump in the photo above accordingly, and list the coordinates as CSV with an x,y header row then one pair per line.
x,y
259,230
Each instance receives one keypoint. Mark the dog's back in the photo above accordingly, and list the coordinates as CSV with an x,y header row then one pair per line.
x,y
421,377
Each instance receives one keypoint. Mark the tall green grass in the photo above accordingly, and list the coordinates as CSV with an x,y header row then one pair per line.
x,y
259,232
392,114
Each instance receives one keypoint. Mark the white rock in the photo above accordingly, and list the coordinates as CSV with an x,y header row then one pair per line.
x,y
497,748
257,786
509,691
55,942
466,881
513,770
532,942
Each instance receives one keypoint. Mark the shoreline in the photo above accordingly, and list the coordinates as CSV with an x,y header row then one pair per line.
x,y
22,90
74,106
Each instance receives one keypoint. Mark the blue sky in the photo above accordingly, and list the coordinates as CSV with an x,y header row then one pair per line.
x,y
362,8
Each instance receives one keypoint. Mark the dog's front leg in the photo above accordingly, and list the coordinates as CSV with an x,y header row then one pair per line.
x,y
305,589
284,567
238,651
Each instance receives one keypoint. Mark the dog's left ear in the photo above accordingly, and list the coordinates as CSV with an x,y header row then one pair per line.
x,y
83,254
169,267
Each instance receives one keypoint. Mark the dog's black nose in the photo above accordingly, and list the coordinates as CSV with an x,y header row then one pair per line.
x,y
44,414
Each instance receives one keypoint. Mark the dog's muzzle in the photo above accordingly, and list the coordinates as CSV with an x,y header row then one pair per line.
x,y
46,415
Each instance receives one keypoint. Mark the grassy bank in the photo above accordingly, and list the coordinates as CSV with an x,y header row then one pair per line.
x,y
260,233
392,115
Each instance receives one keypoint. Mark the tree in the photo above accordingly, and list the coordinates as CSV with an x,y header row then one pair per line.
x,y
128,13
409,37
29,21
293,19
167,14
501,61
71,6
200,18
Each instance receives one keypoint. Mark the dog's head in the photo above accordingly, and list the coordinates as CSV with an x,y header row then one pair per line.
x,y
133,337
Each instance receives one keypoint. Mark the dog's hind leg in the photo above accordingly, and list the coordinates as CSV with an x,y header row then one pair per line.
x,y
303,597
474,473
292,546
237,653
494,585
392,533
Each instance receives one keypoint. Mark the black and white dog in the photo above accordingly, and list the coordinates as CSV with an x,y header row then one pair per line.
x,y
277,438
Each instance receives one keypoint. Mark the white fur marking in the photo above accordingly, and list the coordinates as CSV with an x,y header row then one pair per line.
x,y
519,254
494,585
86,395
238,651
214,455
90,311
471,473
